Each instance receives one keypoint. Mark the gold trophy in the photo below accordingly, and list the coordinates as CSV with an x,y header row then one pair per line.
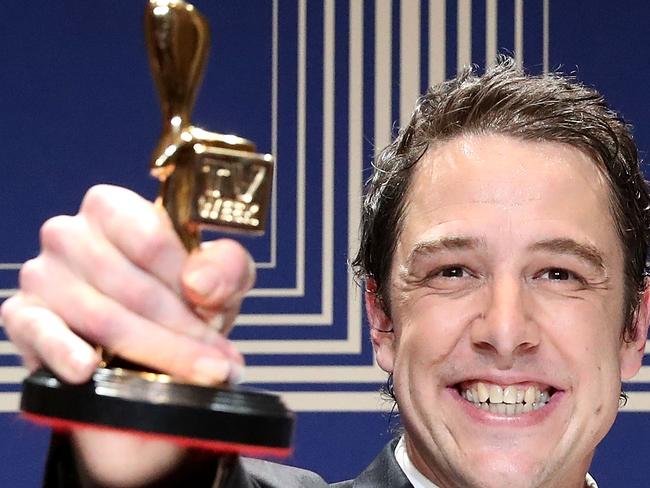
x,y
208,180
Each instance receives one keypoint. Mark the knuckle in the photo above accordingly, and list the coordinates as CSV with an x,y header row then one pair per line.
x,y
142,298
149,245
7,312
55,232
97,199
17,319
31,274
98,324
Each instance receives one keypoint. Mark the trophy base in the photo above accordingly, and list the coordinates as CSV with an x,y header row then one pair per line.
x,y
224,419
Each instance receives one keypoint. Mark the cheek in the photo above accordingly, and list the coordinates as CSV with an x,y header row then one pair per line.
x,y
430,327
583,339
589,326
586,334
599,373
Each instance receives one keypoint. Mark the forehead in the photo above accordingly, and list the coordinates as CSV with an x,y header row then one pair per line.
x,y
521,186
481,159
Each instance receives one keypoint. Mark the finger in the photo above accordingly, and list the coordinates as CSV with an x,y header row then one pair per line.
x,y
101,320
140,230
22,341
95,260
43,338
217,277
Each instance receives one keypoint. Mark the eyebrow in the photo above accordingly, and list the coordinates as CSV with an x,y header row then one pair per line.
x,y
449,243
585,252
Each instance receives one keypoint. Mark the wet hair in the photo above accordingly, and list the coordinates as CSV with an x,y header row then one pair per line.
x,y
506,101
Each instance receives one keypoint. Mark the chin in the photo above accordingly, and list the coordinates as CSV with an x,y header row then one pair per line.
x,y
490,466
498,471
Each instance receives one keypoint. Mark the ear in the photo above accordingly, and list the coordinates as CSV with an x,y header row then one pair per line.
x,y
632,350
381,328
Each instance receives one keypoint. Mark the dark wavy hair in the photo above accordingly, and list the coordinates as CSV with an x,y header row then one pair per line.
x,y
506,101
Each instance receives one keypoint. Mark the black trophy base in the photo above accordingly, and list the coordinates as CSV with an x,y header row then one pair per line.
x,y
224,419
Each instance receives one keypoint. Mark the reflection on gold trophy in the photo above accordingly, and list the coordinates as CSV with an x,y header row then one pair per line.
x,y
208,180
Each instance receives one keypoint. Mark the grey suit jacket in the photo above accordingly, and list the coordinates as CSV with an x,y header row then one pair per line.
x,y
383,472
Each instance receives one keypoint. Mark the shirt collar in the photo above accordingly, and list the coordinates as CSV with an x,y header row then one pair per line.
x,y
418,480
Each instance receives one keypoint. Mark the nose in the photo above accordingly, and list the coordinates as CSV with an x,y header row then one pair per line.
x,y
506,327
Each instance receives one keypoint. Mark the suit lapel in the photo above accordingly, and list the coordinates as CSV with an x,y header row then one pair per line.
x,y
383,471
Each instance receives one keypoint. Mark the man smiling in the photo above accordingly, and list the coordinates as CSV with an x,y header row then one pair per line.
x,y
512,298
503,248
504,283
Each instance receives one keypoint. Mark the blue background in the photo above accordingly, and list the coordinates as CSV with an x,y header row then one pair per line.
x,y
77,107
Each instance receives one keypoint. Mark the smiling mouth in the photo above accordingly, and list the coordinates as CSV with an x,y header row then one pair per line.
x,y
509,401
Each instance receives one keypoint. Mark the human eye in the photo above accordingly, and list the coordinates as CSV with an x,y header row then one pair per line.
x,y
560,276
450,279
452,272
557,274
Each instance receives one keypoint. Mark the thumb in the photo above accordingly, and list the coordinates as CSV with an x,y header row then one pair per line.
x,y
217,276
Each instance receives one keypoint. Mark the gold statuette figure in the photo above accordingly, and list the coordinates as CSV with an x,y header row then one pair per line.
x,y
208,179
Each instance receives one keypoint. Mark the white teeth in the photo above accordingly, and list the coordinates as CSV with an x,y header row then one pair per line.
x,y
520,396
496,394
483,393
508,401
529,397
509,394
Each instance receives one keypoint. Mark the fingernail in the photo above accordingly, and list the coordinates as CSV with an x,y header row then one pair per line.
x,y
82,358
216,323
81,364
203,282
236,375
209,371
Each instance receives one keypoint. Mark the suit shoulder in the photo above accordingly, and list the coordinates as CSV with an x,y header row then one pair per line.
x,y
273,475
343,484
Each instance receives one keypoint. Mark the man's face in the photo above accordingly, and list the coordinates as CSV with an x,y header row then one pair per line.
x,y
506,297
